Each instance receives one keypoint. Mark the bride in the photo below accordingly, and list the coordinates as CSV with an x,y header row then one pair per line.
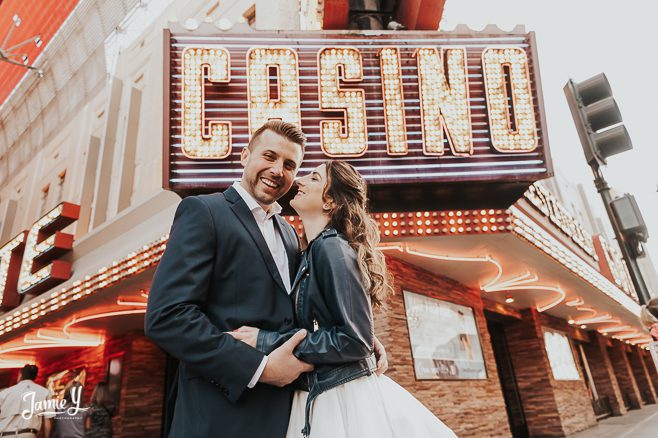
x,y
341,276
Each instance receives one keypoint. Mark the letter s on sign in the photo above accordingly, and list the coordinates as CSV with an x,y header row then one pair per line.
x,y
338,139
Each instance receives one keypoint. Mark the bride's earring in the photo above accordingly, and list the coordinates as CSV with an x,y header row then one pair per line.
x,y
326,207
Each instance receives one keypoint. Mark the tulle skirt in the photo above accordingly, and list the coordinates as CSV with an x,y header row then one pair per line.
x,y
368,407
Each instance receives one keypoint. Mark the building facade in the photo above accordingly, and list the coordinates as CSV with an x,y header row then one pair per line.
x,y
509,319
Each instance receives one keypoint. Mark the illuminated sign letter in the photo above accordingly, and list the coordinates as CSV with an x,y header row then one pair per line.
x,y
510,131
213,142
444,101
396,130
44,243
262,105
338,139
10,261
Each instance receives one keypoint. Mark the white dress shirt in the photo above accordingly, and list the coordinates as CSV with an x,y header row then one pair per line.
x,y
21,406
274,243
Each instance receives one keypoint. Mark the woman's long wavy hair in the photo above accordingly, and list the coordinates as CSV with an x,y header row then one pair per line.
x,y
348,190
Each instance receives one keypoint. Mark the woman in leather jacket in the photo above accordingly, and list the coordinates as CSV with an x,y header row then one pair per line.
x,y
341,276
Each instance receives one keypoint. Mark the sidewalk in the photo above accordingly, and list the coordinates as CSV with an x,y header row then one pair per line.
x,y
639,423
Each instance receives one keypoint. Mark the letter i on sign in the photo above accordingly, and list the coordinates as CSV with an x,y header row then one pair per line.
x,y
394,117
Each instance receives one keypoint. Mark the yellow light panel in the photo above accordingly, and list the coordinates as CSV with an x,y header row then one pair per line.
x,y
444,101
197,142
338,138
261,106
524,137
394,116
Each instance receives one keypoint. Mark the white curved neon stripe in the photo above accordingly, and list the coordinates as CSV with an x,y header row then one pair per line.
x,y
74,321
516,283
600,319
7,364
615,329
550,305
577,301
624,333
50,345
592,311
121,302
442,257
635,334
511,283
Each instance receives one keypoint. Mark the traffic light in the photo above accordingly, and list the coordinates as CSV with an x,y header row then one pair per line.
x,y
597,118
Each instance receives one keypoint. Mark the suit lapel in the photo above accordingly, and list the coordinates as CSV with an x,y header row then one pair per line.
x,y
291,244
245,216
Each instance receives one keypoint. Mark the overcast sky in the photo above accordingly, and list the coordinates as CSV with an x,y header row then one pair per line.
x,y
578,39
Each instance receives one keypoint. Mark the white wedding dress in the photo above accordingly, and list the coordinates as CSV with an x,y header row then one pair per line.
x,y
368,407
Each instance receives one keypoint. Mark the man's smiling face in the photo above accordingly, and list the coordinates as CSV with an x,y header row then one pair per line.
x,y
270,167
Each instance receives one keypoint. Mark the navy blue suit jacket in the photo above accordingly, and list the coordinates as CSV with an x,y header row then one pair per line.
x,y
217,274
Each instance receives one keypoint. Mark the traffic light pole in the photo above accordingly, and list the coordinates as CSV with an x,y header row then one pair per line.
x,y
631,262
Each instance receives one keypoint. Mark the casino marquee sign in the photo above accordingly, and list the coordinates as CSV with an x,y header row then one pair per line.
x,y
431,119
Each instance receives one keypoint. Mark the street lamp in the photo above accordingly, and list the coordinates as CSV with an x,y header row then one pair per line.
x,y
11,55
598,122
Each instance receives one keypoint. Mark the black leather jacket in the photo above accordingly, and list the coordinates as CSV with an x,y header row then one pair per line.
x,y
332,304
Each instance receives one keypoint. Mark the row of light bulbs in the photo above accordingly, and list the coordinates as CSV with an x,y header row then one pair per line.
x,y
119,270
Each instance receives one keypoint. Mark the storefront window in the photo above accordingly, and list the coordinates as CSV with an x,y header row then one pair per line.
x,y
560,356
444,339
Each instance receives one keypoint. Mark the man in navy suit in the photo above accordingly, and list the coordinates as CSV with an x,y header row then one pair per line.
x,y
228,263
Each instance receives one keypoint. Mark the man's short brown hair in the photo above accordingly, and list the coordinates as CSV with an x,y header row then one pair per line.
x,y
284,129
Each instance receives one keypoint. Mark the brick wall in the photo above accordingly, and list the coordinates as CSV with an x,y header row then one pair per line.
x,y
651,368
472,408
533,376
573,398
552,407
603,374
142,414
641,374
625,378
142,381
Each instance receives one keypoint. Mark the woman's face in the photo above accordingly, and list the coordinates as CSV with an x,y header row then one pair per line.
x,y
309,199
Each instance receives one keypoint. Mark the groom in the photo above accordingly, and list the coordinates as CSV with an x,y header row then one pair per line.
x,y
228,263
